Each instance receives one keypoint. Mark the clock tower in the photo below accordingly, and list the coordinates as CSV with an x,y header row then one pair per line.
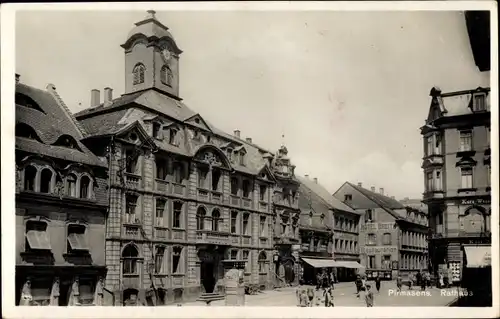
x,y
151,58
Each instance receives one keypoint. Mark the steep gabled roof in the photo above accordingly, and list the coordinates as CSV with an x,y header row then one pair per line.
x,y
385,202
323,193
51,120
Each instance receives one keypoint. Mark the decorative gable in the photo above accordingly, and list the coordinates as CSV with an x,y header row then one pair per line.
x,y
199,122
266,174
136,134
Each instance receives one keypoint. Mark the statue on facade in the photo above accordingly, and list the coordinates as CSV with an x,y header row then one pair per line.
x,y
54,293
26,297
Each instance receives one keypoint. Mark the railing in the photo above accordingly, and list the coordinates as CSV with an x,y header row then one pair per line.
x,y
247,203
132,181
235,201
178,189
160,232
161,185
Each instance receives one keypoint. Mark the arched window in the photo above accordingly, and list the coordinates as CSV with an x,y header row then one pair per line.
x,y
215,220
24,130
85,187
67,141
138,72
130,256
26,101
46,181
29,178
71,185
166,75
262,262
200,218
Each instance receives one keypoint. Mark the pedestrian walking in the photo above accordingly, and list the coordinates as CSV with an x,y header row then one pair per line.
x,y
328,297
369,298
358,283
319,279
410,281
418,278
399,282
441,280
377,283
428,279
310,296
423,282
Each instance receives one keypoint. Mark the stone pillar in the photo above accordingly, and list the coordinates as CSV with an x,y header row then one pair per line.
x,y
295,254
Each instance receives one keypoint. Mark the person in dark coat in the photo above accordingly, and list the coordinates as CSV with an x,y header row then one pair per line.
x,y
377,283
358,283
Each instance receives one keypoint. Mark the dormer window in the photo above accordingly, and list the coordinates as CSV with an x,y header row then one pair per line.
x,y
28,102
172,139
369,215
24,130
479,103
242,158
347,197
157,130
138,73
229,152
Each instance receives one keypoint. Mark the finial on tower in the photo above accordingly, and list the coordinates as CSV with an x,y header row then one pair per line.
x,y
151,14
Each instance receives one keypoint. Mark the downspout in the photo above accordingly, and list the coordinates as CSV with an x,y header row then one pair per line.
x,y
110,160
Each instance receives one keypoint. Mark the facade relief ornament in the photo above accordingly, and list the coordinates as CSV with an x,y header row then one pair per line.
x,y
211,159
59,189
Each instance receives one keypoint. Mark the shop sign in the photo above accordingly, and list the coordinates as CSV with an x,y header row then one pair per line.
x,y
377,226
475,201
380,250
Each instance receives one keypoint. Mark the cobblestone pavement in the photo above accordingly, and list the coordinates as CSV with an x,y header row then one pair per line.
x,y
345,296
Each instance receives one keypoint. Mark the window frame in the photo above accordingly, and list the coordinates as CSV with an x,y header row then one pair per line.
x,y
33,181
131,261
161,269
387,239
177,215
138,72
131,218
234,222
41,234
371,243
177,254
465,135
163,222
81,240
471,178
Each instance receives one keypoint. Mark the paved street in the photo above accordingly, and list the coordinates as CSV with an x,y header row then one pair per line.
x,y
345,296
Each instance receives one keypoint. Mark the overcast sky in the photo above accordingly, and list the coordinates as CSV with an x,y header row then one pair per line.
x,y
349,90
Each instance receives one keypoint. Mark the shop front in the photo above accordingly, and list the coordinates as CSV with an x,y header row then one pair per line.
x,y
476,264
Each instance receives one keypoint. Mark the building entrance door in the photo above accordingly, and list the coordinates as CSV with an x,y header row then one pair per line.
x,y
207,276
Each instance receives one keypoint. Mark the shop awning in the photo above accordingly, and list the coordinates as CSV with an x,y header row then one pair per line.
x,y
478,256
349,264
320,263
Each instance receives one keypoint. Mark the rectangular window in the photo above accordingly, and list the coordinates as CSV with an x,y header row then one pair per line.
x,y
216,174
161,168
234,254
439,185
130,209
178,172
157,131
246,218
76,239
262,192
371,262
246,188
387,239
160,213
131,162
371,239
429,180
429,147
160,260
176,260
234,186
437,147
234,222
347,198
247,263
466,175
465,141
369,215
202,177
479,102
386,262
262,225
177,216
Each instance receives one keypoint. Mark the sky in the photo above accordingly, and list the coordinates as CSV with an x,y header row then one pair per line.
x,y
348,90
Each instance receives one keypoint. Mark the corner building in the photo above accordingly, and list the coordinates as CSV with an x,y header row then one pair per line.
x,y
184,196
457,172
61,205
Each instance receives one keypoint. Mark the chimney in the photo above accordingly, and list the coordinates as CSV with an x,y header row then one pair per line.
x,y
249,140
373,189
360,184
381,191
95,97
306,176
17,78
108,95
316,180
237,133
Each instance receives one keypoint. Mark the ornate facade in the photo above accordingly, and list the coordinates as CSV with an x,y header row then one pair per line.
x,y
457,173
184,195
61,205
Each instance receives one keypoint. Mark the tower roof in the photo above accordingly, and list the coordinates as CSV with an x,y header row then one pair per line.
x,y
151,29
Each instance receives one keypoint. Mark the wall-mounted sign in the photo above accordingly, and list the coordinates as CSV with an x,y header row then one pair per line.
x,y
377,226
370,250
475,201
